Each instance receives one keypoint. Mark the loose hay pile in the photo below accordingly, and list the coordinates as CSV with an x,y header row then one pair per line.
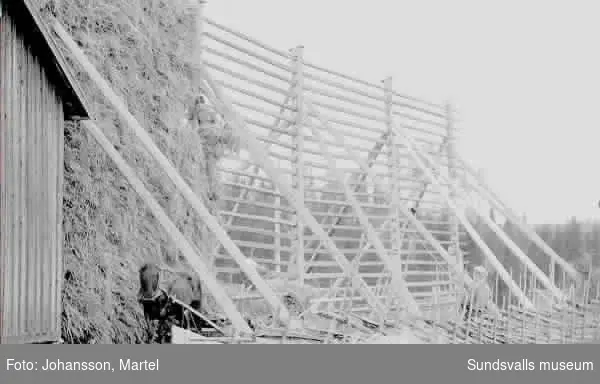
x,y
141,47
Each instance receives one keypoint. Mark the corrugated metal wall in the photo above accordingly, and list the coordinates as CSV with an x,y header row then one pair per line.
x,y
31,139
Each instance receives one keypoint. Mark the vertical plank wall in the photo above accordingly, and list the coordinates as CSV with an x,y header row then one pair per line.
x,y
31,137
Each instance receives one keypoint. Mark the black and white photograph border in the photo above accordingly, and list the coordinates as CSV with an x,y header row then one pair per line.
x,y
167,178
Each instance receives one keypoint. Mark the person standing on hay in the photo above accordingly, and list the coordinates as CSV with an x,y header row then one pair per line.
x,y
215,138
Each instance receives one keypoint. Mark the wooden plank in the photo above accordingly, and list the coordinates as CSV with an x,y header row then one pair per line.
x,y
453,174
172,173
514,248
186,248
298,151
414,152
260,155
404,210
486,192
255,169
392,263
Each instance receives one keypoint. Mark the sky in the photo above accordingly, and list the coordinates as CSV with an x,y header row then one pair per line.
x,y
524,77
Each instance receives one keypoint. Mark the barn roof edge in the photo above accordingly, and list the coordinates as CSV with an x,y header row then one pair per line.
x,y
25,13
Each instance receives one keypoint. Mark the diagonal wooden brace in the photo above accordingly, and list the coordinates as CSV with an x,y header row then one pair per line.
x,y
273,134
260,156
484,191
393,264
196,203
186,248
504,275
366,169
514,248
316,245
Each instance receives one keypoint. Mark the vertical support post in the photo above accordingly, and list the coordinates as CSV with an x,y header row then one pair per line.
x,y
197,7
393,164
199,30
298,85
277,237
452,175
453,224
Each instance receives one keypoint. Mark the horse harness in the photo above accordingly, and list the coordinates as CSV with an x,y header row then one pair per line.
x,y
162,311
155,307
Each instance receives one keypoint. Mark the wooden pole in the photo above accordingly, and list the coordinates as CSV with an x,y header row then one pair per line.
x,y
397,232
393,264
355,265
452,173
393,165
414,152
196,203
371,158
258,153
186,248
454,223
419,198
277,235
514,248
298,178
368,171
481,187
273,134
199,26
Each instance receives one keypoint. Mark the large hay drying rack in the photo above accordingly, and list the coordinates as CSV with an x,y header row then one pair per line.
x,y
351,187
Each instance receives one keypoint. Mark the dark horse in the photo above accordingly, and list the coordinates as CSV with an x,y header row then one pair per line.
x,y
160,310
155,303
154,299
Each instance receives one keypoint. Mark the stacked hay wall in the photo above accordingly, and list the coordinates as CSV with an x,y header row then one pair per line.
x,y
141,47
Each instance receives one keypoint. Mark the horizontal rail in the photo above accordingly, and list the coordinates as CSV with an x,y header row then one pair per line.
x,y
368,84
243,36
245,63
248,52
425,107
331,119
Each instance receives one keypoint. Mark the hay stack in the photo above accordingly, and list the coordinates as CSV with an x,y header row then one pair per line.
x,y
141,48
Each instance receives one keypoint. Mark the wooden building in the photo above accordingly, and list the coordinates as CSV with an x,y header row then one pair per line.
x,y
37,96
